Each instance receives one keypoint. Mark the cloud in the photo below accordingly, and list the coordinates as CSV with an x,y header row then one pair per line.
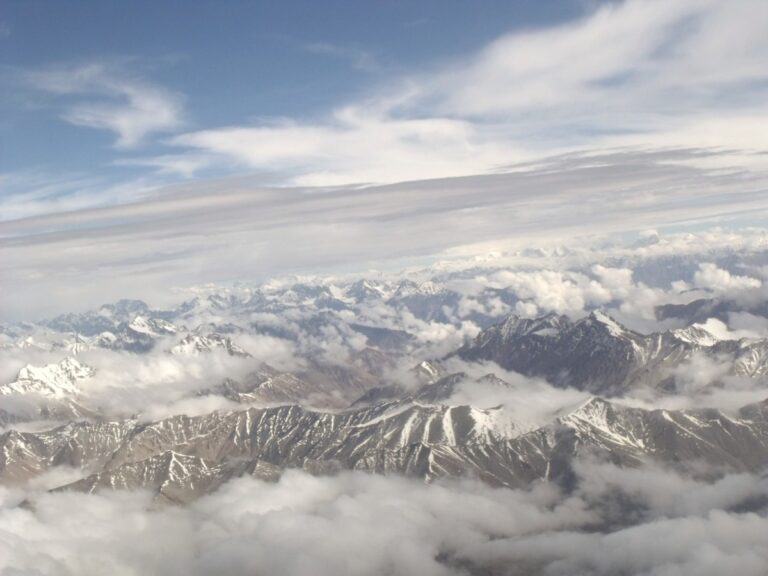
x,y
234,229
747,325
720,281
656,492
132,108
355,146
572,292
358,58
640,73
716,544
356,523
152,385
528,403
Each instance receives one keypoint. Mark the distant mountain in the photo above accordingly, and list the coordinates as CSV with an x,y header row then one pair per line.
x,y
196,344
701,310
599,355
53,380
319,385
50,392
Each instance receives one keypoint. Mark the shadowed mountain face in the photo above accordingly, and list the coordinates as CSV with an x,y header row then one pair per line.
x,y
599,355
701,310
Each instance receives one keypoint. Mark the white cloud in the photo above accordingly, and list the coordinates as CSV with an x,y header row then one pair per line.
x,y
358,58
356,146
528,403
720,281
361,524
641,73
235,230
131,108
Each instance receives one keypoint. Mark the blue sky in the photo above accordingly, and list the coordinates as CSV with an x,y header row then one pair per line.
x,y
146,145
117,95
227,62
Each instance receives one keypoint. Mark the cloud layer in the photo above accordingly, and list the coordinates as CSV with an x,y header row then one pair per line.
x,y
354,523
236,230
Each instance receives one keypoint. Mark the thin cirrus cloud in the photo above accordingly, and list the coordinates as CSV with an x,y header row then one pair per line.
x,y
131,108
640,73
232,229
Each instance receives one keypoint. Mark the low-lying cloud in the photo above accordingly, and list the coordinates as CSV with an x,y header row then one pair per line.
x,y
361,524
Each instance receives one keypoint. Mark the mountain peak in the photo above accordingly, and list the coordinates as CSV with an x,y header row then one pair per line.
x,y
600,317
696,334
195,344
151,326
53,380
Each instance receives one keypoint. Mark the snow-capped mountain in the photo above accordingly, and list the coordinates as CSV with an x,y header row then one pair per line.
x,y
196,344
598,354
51,392
52,381
367,391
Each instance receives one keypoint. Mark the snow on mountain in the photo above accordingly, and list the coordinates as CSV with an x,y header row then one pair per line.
x,y
363,290
425,441
196,344
53,380
351,410
599,355
696,334
151,326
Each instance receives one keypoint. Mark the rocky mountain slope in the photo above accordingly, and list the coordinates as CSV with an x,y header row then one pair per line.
x,y
181,457
351,402
599,355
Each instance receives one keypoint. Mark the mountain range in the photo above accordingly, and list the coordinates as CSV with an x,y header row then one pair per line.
x,y
364,411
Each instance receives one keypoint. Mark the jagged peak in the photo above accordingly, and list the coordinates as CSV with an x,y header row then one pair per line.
x,y
547,325
151,326
429,368
69,365
613,326
696,334
194,344
588,409
52,380
411,288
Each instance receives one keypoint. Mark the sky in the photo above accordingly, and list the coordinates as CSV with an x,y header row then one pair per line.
x,y
146,145
202,65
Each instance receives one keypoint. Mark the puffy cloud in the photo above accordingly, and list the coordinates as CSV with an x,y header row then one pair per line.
x,y
528,402
356,523
710,277
526,309
572,292
615,279
746,325
718,543
551,290
655,492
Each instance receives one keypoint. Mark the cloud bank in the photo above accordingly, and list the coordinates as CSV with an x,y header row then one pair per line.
x,y
234,230
354,523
